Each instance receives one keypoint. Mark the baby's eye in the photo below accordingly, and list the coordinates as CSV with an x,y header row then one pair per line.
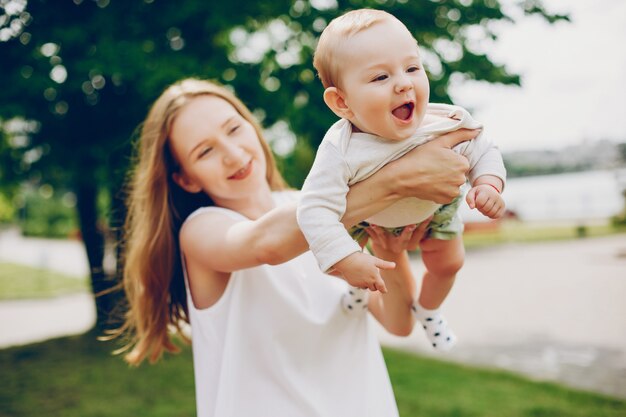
x,y
413,68
381,77
233,129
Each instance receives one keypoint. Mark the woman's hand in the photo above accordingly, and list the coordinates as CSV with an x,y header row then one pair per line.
x,y
389,246
432,171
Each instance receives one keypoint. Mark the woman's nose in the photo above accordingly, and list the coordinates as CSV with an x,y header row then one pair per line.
x,y
233,153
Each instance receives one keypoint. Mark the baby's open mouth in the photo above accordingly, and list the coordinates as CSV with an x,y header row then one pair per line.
x,y
404,112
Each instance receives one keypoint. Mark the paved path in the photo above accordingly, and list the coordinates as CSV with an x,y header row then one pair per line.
x,y
552,311
29,321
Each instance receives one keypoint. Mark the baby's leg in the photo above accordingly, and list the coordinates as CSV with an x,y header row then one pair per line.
x,y
442,259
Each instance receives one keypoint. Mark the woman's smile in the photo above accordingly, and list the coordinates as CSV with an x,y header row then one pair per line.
x,y
242,173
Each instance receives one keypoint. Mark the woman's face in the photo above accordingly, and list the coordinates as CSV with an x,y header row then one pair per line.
x,y
219,152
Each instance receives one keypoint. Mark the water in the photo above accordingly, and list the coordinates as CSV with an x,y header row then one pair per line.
x,y
576,197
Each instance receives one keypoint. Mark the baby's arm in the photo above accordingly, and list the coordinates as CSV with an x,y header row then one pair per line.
x,y
486,174
362,270
321,207
485,196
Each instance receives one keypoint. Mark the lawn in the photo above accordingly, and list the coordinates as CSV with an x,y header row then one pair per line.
x,y
78,377
23,282
518,232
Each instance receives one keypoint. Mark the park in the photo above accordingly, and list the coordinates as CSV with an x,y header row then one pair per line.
x,y
538,307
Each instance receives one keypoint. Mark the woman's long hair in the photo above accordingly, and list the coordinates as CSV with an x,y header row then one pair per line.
x,y
157,207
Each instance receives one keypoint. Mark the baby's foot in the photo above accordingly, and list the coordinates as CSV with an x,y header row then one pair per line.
x,y
354,301
436,327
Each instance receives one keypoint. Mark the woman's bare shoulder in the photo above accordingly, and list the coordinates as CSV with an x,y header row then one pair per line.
x,y
203,230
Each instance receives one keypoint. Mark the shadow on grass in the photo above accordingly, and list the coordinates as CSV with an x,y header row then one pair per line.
x,y
78,376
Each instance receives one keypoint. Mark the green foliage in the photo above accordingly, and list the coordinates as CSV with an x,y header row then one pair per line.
x,y
519,170
78,376
7,210
14,140
621,148
48,213
85,72
619,221
88,70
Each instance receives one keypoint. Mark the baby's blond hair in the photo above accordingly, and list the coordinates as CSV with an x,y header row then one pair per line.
x,y
331,41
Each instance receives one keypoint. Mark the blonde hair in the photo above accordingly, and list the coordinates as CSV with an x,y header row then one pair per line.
x,y
153,276
330,44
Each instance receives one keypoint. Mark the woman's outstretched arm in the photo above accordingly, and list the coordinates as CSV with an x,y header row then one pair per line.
x,y
393,309
431,171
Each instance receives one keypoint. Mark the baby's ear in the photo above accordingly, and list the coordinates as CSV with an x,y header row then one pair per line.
x,y
334,99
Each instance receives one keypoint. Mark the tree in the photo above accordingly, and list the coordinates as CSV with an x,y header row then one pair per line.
x,y
85,71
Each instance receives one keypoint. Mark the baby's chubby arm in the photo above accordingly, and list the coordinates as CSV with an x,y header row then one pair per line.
x,y
322,205
485,196
484,159
487,175
362,270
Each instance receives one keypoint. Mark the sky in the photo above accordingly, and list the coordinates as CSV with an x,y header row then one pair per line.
x,y
573,79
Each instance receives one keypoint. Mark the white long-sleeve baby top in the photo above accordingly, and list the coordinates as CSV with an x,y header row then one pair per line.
x,y
345,158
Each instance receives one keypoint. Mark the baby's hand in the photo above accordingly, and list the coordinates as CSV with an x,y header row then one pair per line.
x,y
361,270
487,200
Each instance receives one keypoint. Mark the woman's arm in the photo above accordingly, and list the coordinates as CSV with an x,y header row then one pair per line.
x,y
393,309
431,171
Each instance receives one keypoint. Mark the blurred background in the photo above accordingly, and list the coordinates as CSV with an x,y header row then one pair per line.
x,y
545,77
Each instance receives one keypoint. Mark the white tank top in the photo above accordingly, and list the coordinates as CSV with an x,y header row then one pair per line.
x,y
278,344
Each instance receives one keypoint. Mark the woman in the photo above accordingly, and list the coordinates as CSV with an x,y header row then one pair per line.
x,y
212,239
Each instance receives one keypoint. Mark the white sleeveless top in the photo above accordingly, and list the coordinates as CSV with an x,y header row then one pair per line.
x,y
278,344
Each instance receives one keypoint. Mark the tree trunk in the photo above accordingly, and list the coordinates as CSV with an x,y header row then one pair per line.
x,y
94,240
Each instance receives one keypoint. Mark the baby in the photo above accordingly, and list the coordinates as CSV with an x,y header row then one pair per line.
x,y
370,66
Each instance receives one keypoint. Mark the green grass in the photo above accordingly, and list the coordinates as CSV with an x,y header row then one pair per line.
x,y
427,387
20,282
77,376
516,232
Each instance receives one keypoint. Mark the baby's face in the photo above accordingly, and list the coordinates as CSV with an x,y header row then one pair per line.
x,y
383,81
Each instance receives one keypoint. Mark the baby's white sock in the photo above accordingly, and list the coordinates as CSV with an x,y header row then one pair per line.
x,y
436,327
354,301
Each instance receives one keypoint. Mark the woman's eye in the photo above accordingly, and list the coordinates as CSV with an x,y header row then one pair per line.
x,y
234,129
204,151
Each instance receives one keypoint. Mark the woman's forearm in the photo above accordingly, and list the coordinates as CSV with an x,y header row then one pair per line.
x,y
279,236
393,310
280,239
430,172
369,197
